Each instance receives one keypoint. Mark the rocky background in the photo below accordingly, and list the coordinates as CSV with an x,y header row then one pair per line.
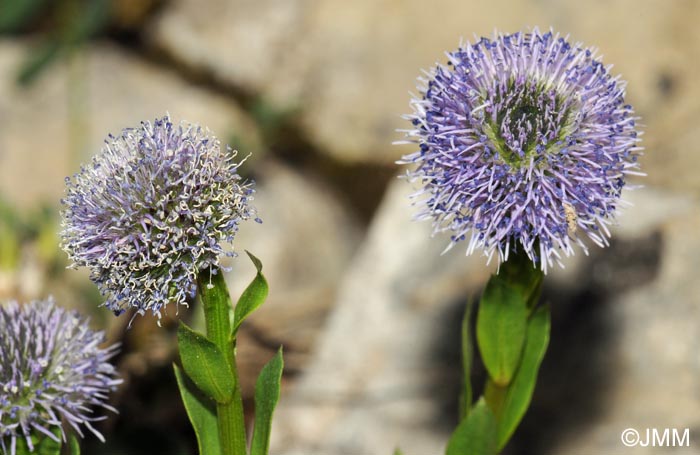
x,y
367,309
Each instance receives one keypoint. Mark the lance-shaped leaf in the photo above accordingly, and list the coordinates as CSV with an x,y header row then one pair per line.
x,y
523,276
205,364
500,329
520,390
254,296
267,393
201,411
476,434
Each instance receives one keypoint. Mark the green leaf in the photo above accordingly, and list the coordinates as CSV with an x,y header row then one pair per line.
x,y
202,413
476,434
267,393
254,296
520,391
43,444
73,444
465,398
205,364
398,451
500,329
524,276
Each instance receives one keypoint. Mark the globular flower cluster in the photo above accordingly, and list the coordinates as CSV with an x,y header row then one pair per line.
x,y
525,142
154,209
51,369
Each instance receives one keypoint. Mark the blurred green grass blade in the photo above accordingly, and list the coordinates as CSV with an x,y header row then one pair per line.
x,y
15,14
9,247
37,61
83,22
89,20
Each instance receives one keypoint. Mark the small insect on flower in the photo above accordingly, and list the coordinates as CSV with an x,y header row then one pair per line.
x,y
571,218
154,209
51,369
525,142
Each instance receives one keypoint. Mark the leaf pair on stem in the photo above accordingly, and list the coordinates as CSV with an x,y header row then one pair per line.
x,y
210,386
512,335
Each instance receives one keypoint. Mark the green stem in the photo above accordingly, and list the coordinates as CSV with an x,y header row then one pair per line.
x,y
495,396
217,304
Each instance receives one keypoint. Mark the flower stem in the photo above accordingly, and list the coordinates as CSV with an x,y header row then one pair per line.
x,y
495,396
217,304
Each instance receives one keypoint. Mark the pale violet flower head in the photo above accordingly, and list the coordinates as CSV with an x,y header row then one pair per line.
x,y
155,207
525,141
52,369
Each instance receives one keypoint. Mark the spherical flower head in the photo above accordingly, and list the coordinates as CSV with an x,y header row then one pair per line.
x,y
525,142
154,208
51,369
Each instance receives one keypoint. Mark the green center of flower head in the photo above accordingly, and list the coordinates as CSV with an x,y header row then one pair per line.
x,y
526,119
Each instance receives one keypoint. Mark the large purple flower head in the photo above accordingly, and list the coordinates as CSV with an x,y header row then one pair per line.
x,y
51,369
525,142
154,208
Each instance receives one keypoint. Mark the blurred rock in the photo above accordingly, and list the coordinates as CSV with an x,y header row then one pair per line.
x,y
244,42
349,66
376,380
305,243
46,130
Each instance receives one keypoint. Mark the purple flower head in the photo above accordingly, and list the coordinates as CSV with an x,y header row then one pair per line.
x,y
525,142
51,369
153,210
